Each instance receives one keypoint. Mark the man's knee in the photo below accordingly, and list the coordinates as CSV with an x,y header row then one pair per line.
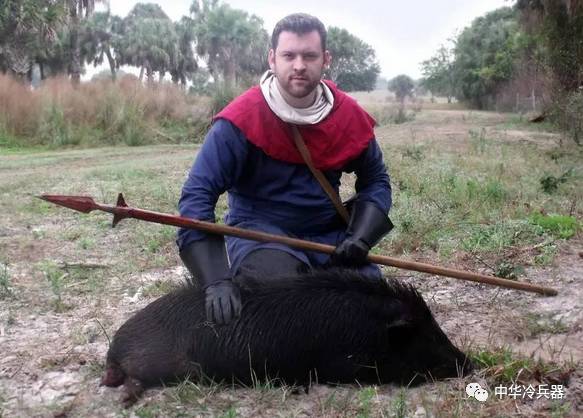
x,y
268,261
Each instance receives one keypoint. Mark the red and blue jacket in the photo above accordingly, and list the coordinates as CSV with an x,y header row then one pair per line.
x,y
250,154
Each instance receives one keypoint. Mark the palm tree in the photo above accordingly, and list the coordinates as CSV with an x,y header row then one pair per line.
x,y
224,36
99,39
78,10
149,41
185,65
27,27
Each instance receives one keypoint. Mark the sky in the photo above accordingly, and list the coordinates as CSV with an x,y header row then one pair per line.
x,y
403,33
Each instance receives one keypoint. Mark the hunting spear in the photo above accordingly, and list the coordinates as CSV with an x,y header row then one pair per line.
x,y
86,204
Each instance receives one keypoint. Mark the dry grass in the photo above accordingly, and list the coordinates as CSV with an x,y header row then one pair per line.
x,y
59,114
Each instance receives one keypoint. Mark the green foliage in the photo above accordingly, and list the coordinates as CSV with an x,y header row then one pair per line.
x,y
149,40
27,27
484,56
5,288
495,237
503,358
231,412
354,65
399,405
560,226
550,183
365,397
508,270
54,129
559,24
184,66
233,44
438,73
55,277
567,112
402,86
414,152
558,28
221,95
387,114
478,140
100,37
547,255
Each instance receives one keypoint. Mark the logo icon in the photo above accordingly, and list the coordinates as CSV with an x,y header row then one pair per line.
x,y
474,390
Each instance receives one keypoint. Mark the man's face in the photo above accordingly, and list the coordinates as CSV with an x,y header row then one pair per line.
x,y
298,62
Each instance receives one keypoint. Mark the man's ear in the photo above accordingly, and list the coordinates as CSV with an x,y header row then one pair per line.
x,y
327,59
271,59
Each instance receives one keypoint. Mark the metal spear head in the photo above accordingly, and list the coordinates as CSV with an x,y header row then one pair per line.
x,y
83,204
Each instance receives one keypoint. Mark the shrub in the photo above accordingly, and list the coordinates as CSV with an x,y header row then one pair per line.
x,y
550,183
558,225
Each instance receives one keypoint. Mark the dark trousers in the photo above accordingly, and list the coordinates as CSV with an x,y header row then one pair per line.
x,y
268,262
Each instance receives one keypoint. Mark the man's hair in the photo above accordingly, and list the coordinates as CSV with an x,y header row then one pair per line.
x,y
300,24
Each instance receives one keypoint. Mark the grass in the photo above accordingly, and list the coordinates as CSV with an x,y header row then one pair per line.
x,y
482,198
98,113
5,285
158,288
390,114
560,226
365,400
55,277
399,405
520,121
537,323
477,198
502,366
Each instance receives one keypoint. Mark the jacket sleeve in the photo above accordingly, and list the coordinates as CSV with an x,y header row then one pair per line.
x,y
372,179
216,168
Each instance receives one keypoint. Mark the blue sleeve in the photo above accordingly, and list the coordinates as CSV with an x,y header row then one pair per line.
x,y
372,179
216,167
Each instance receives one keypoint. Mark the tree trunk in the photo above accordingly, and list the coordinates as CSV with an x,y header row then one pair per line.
x,y
111,62
149,73
75,66
141,73
229,68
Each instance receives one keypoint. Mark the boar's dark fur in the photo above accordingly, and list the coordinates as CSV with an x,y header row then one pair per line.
x,y
333,326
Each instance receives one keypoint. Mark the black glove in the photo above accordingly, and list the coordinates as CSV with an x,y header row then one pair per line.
x,y
223,302
206,260
368,224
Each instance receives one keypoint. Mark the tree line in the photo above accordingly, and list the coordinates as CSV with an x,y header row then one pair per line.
x,y
214,41
533,50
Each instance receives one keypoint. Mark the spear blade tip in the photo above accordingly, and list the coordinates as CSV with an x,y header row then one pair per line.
x,y
83,204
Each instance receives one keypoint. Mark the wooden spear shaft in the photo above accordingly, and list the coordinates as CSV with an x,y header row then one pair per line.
x,y
121,210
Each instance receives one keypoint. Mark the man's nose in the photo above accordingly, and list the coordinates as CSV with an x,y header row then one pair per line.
x,y
299,64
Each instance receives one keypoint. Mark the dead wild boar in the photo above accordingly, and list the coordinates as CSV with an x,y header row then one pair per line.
x,y
334,326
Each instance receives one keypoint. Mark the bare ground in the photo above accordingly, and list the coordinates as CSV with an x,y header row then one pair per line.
x,y
53,338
